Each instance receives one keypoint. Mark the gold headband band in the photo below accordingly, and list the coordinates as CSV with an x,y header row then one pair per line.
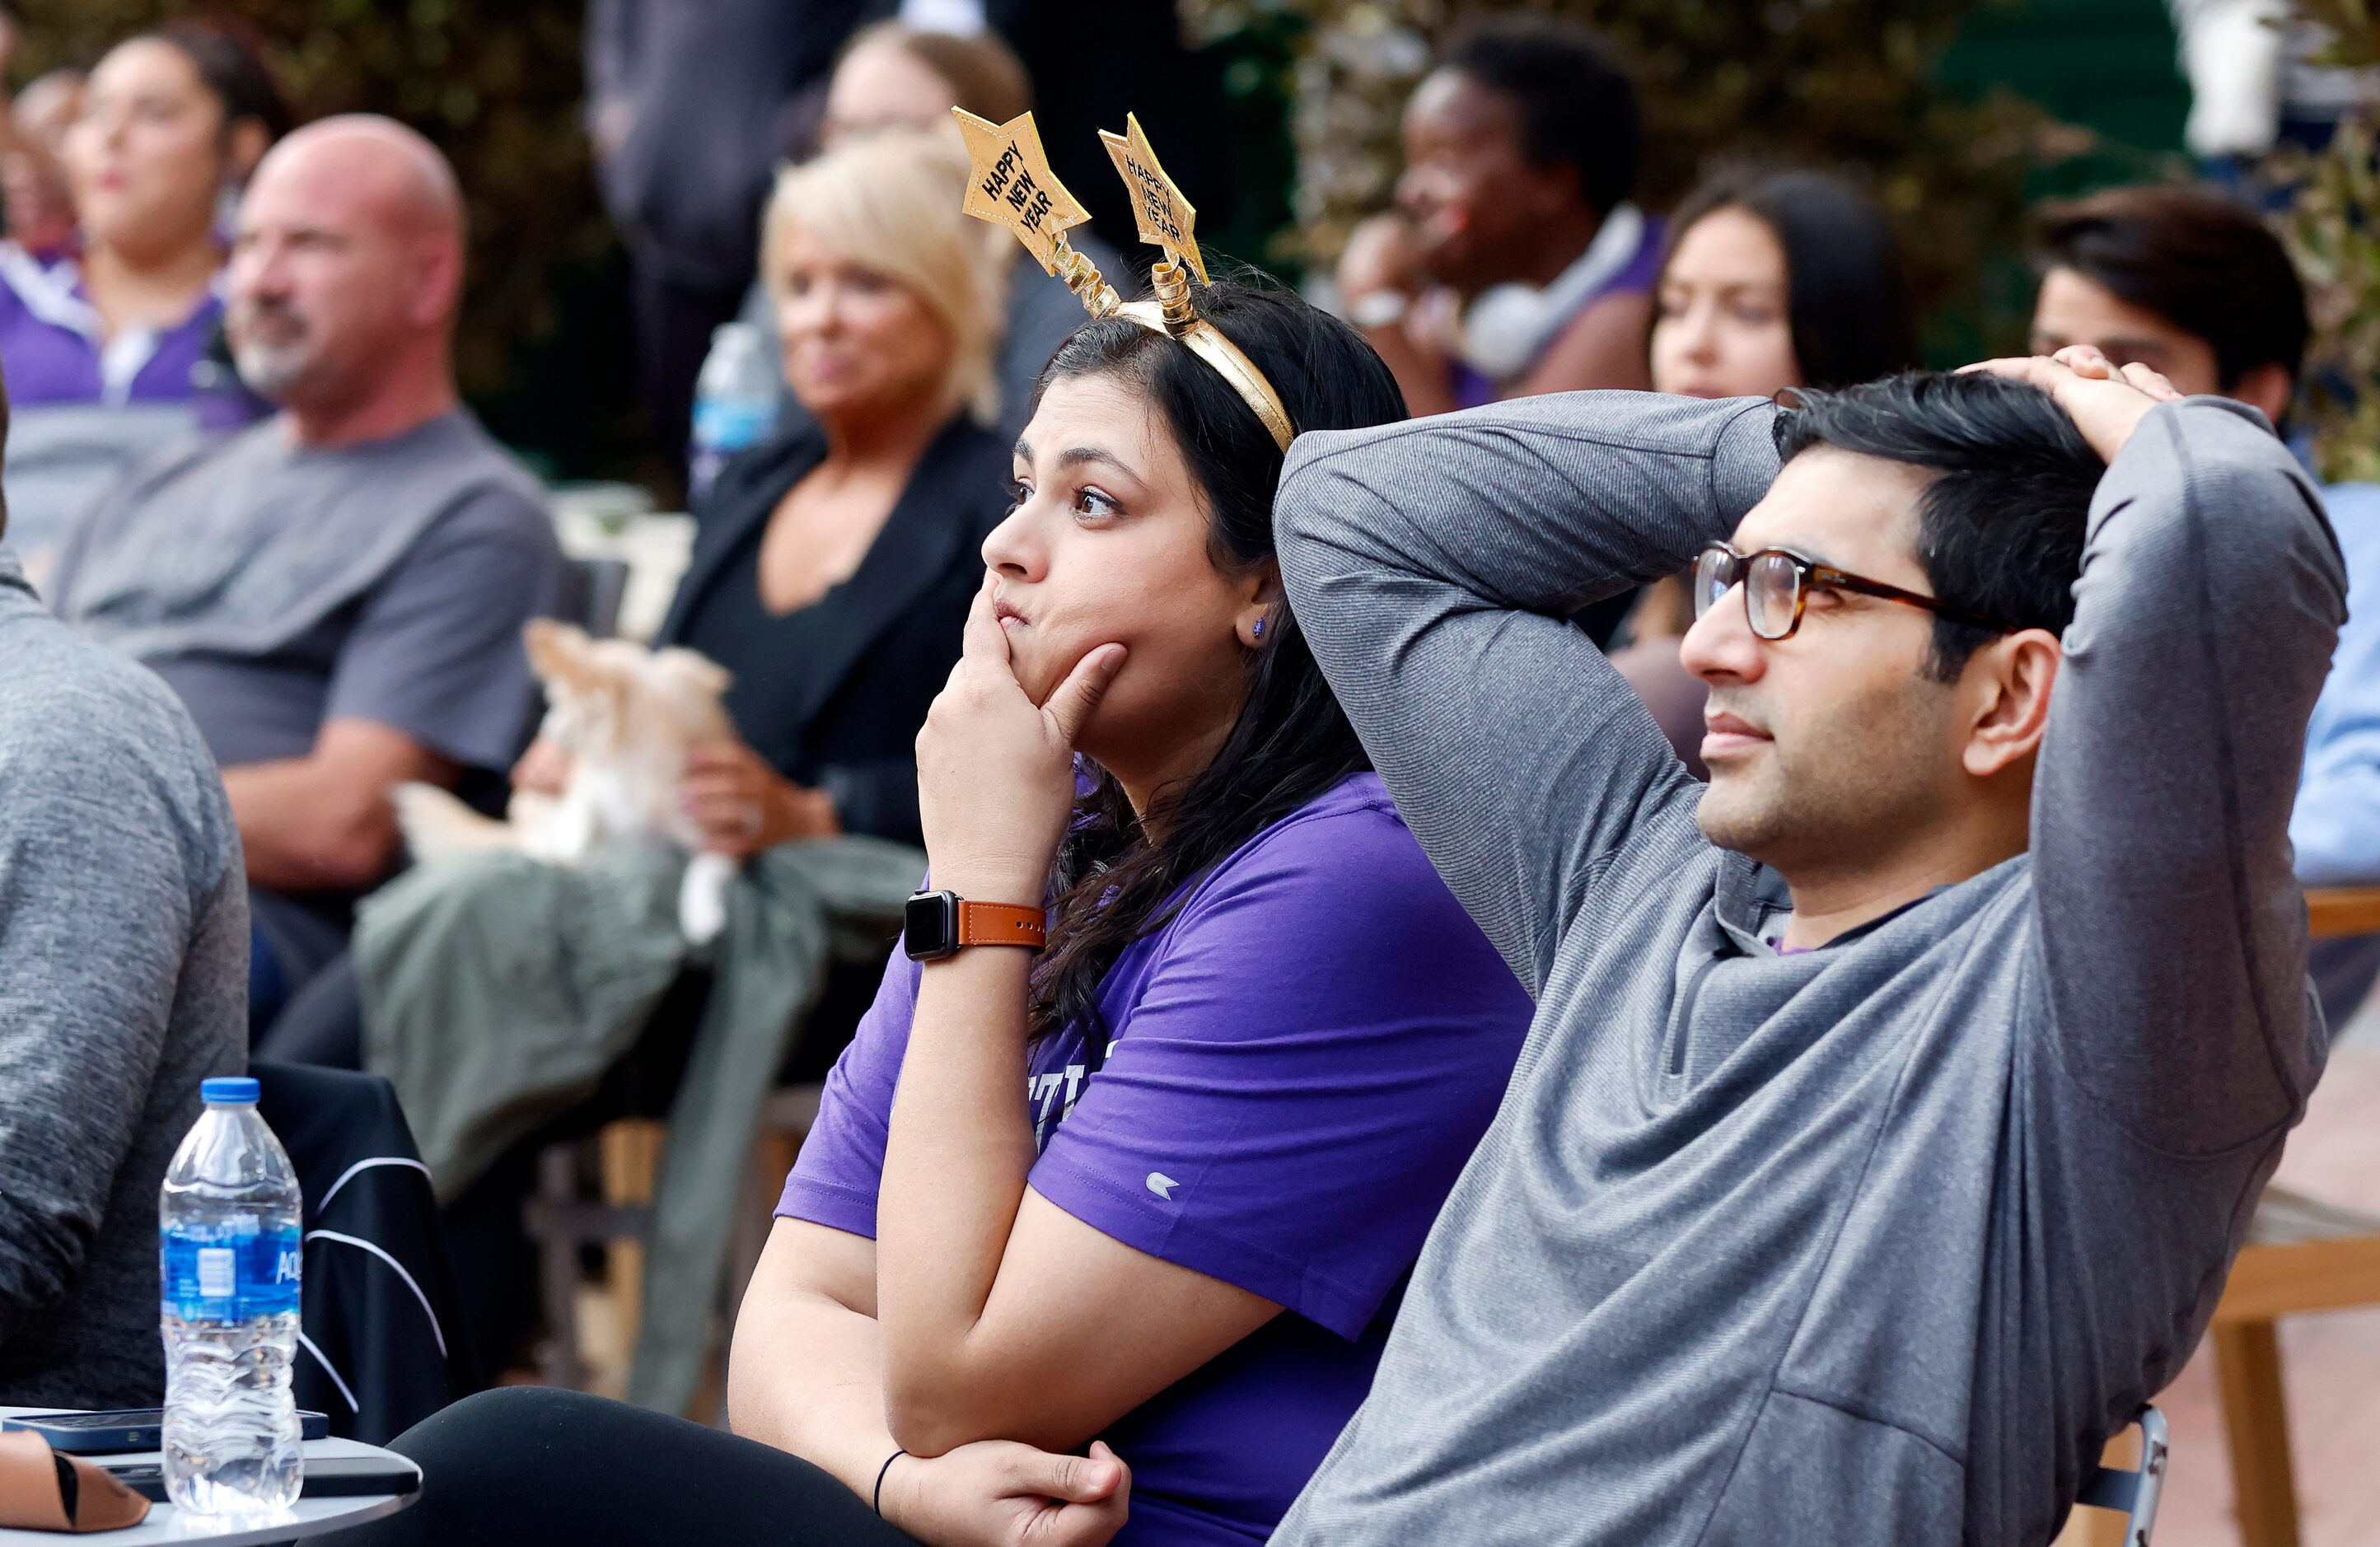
x,y
1013,185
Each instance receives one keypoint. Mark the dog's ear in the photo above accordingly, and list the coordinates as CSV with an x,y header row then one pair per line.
x,y
693,671
557,652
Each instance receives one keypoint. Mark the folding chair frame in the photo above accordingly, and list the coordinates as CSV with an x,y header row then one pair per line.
x,y
2133,1495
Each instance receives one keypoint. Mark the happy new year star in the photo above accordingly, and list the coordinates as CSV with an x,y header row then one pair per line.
x,y
1011,184
1163,216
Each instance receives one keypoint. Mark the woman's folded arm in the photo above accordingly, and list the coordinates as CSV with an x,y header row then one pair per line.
x,y
805,1373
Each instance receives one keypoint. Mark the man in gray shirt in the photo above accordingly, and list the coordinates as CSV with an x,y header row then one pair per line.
x,y
337,594
1894,1108
123,984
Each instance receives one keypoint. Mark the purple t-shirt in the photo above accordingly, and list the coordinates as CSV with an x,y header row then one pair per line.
x,y
54,348
1300,1063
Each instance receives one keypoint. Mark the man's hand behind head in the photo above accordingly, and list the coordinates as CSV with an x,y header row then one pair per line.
x,y
2106,402
1871,747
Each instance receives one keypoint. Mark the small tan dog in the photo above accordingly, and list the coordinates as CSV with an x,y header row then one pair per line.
x,y
627,717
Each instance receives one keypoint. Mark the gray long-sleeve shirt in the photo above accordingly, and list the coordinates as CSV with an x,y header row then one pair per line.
x,y
1864,1247
123,984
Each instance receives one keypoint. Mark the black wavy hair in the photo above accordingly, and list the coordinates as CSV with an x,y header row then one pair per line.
x,y
1120,876
1578,108
2204,263
1847,294
1999,527
229,58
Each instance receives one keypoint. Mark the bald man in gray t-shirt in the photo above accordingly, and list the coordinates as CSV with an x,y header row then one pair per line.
x,y
339,593
281,588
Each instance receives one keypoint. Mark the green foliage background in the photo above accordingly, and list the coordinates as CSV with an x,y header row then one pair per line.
x,y
2333,230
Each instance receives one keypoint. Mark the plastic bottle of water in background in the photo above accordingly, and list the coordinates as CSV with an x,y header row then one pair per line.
x,y
230,1254
734,400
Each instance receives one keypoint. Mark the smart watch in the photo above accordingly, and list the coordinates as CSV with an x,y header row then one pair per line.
x,y
940,924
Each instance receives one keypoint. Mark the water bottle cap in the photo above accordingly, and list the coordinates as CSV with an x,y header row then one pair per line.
x,y
228,1090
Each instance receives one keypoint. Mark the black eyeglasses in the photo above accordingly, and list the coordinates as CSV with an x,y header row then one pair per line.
x,y
1776,582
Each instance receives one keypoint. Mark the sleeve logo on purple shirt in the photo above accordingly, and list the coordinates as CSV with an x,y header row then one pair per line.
x,y
1162,1185
1043,1093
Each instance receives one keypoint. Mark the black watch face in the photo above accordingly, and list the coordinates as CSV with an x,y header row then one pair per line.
x,y
930,925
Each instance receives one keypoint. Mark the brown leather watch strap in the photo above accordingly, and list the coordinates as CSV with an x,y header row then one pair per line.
x,y
1002,923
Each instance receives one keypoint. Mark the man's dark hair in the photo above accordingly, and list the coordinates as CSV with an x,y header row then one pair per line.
x,y
2000,528
2202,262
1577,109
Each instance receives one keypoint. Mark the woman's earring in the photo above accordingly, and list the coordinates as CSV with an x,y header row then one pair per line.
x,y
1259,628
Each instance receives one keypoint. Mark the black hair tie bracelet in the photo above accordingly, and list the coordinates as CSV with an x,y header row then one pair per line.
x,y
877,1501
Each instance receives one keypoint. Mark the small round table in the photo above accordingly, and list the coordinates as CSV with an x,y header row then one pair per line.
x,y
307,1518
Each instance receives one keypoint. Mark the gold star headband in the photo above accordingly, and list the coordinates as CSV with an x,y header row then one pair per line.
x,y
1011,184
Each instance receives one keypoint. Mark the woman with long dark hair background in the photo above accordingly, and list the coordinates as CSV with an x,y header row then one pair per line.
x,y
1773,279
1778,278
1261,1044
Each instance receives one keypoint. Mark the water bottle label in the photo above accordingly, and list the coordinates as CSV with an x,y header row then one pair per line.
x,y
230,1273
729,425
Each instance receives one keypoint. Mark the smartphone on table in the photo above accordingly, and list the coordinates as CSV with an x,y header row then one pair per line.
x,y
112,1433
327,1477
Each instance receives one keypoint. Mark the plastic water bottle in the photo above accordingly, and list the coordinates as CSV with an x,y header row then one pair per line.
x,y
734,400
231,1256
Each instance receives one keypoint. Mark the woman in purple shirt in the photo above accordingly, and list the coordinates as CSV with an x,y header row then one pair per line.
x,y
109,347
1120,1229
171,121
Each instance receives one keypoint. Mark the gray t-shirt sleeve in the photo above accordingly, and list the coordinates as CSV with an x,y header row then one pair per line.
x,y
436,650
107,876
2172,929
1432,565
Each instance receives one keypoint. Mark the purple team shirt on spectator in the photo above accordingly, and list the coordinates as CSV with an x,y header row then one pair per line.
x,y
1300,1063
54,349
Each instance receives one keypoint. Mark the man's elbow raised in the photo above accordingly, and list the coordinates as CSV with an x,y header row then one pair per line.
x,y
1308,537
1297,502
1330,512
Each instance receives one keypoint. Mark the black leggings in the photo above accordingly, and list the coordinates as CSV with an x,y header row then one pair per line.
x,y
528,1464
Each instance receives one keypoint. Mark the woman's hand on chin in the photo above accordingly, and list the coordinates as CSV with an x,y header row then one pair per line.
x,y
995,773
999,1493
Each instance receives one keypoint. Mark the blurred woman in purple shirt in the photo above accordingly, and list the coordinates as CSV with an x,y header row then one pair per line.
x,y
105,346
172,121
1102,1243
